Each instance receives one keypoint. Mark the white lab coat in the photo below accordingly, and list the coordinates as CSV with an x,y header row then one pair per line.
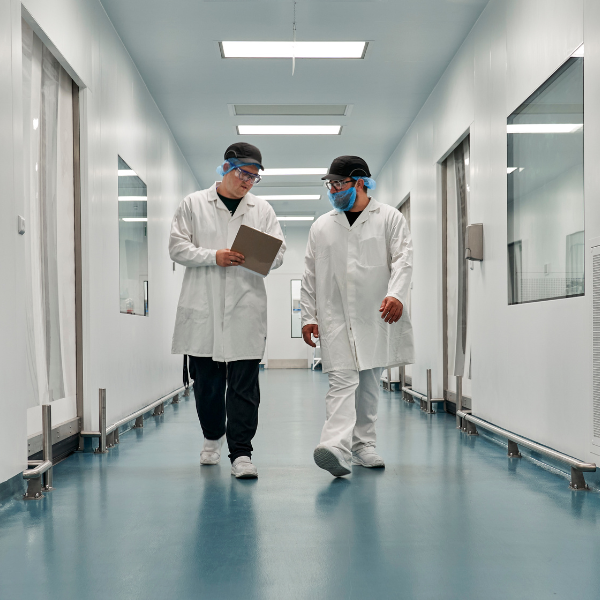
x,y
348,272
222,311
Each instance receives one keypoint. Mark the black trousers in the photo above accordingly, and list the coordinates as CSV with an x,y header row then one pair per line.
x,y
234,411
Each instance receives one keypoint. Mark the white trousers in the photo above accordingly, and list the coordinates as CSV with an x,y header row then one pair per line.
x,y
351,410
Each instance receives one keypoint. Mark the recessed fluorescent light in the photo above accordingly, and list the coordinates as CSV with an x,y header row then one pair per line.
x,y
289,129
127,173
510,170
294,172
578,53
133,198
293,197
295,218
134,219
293,49
545,128
305,110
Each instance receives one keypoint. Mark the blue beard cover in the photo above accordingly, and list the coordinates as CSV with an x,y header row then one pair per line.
x,y
343,201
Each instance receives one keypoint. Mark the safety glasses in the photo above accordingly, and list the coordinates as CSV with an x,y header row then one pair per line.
x,y
337,185
247,176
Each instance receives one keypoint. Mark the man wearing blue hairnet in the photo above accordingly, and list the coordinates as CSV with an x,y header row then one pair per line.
x,y
221,321
358,267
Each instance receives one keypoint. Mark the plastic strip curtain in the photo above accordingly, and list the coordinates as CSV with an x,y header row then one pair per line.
x,y
49,198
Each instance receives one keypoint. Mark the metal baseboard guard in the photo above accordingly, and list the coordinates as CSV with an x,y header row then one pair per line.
x,y
113,430
578,467
60,432
426,401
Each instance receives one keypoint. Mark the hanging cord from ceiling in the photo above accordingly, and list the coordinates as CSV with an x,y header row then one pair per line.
x,y
294,41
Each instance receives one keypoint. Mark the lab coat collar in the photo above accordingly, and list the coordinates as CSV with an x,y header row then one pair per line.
x,y
341,219
248,201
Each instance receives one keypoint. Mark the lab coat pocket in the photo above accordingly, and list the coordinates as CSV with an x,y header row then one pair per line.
x,y
372,252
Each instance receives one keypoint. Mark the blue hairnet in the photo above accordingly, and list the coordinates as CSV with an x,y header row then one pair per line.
x,y
370,184
233,164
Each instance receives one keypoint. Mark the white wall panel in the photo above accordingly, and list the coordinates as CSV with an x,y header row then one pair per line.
x,y
454,96
592,180
540,36
531,366
13,423
129,356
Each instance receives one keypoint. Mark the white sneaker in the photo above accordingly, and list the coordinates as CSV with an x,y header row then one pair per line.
x,y
211,453
332,460
243,468
367,457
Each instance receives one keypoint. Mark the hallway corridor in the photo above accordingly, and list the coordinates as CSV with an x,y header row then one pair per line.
x,y
449,517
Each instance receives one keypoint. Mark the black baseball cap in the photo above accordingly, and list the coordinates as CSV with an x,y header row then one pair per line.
x,y
245,153
347,166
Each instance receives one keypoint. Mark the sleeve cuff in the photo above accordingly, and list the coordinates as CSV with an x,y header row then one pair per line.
x,y
395,295
309,322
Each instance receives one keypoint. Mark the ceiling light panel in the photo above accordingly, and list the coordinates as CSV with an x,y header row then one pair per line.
x,y
307,110
293,49
289,129
295,218
579,53
294,171
292,197
544,128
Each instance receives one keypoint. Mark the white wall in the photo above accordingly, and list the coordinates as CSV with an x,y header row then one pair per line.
x,y
283,351
532,362
13,423
129,356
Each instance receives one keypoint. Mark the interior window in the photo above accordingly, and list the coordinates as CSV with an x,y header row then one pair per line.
x,y
545,190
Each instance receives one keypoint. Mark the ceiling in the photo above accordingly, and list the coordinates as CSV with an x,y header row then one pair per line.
x,y
175,47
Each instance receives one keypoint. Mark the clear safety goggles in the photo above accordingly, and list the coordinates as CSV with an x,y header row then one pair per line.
x,y
337,185
254,178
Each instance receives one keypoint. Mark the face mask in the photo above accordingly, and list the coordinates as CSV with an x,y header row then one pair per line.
x,y
343,201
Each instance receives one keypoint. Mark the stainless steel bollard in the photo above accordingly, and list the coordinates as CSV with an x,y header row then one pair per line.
x,y
402,380
102,422
47,445
428,408
458,401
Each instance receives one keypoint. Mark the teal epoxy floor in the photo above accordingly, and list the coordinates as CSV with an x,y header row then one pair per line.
x,y
449,518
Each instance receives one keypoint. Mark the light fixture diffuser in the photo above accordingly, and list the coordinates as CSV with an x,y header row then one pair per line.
x,y
295,218
544,128
293,49
134,219
292,197
578,53
294,171
127,173
133,198
289,129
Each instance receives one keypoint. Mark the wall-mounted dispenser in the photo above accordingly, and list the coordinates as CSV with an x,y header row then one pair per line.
x,y
474,242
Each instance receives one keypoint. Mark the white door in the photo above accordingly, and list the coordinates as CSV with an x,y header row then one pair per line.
x,y
285,347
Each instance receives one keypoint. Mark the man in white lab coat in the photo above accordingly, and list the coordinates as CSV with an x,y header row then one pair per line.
x,y
357,275
221,321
